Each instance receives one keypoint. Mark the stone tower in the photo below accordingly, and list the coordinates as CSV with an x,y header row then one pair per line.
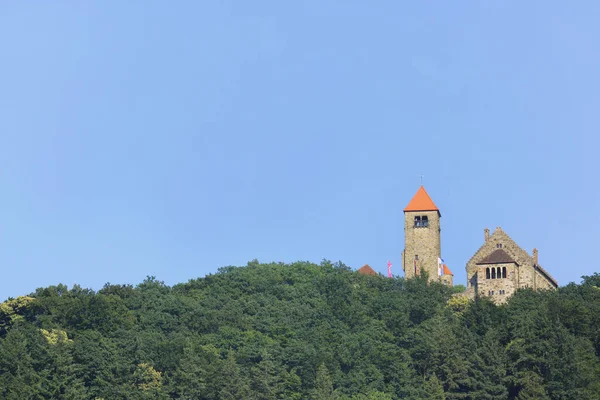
x,y
422,247
447,277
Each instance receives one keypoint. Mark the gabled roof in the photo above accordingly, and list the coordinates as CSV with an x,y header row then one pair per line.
x,y
546,274
447,270
498,256
421,202
366,270
499,236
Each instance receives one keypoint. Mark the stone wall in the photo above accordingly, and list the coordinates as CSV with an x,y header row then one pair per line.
x,y
498,238
423,242
499,289
542,282
524,274
447,280
527,276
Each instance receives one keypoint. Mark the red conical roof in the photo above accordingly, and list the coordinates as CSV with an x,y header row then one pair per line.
x,y
447,270
367,270
421,202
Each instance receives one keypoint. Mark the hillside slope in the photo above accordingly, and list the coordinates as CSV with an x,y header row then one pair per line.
x,y
298,331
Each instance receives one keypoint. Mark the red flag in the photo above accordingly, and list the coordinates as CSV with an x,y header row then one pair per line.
x,y
389,269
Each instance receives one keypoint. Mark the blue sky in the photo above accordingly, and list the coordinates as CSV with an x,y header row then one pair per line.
x,y
146,138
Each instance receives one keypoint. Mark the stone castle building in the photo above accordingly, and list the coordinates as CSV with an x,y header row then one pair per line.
x,y
500,267
496,270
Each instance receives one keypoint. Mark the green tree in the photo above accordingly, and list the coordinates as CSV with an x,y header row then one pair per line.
x,y
433,389
234,384
267,382
323,384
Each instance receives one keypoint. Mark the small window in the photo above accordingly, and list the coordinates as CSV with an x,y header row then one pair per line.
x,y
417,221
499,273
415,265
487,273
504,272
502,291
499,245
493,273
424,221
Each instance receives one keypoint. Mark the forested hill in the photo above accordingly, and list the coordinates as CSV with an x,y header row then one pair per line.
x,y
299,331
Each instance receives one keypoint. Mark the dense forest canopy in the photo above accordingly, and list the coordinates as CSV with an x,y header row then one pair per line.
x,y
299,331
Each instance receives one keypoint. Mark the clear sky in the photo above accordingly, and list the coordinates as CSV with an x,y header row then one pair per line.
x,y
172,138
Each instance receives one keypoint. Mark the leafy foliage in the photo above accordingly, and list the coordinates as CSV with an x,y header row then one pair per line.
x,y
299,331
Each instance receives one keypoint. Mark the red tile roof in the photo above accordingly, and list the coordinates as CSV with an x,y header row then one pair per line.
x,y
447,270
367,270
421,202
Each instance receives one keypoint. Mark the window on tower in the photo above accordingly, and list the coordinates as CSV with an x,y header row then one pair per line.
x,y
421,221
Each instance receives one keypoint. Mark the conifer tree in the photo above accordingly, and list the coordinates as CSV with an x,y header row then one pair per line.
x,y
266,379
433,389
323,385
234,385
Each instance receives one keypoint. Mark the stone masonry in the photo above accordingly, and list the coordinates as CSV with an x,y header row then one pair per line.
x,y
447,278
422,244
422,239
500,267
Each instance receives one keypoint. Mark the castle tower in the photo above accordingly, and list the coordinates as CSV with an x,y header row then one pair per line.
x,y
447,277
422,247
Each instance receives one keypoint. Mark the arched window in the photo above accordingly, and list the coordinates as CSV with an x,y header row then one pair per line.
x,y
504,272
493,273
487,273
499,273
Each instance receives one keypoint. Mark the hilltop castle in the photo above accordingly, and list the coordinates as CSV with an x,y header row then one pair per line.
x,y
496,270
